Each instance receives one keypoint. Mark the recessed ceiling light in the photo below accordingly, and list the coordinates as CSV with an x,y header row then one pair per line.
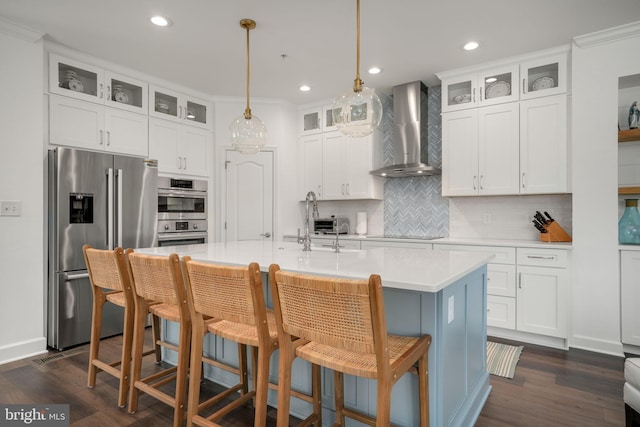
x,y
160,21
304,88
374,70
471,46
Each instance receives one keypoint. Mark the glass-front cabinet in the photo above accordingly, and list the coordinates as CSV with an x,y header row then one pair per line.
x,y
543,76
171,105
78,80
488,87
310,121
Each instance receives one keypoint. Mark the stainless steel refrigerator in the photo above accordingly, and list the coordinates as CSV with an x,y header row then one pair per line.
x,y
103,200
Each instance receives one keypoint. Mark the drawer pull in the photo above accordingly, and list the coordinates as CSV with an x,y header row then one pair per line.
x,y
541,257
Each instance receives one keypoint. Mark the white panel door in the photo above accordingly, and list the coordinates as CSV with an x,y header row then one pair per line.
x,y
249,196
541,306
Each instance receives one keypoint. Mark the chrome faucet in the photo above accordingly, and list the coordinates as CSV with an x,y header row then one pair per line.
x,y
306,240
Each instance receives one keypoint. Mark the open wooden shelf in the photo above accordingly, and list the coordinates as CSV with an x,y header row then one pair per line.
x,y
628,190
629,135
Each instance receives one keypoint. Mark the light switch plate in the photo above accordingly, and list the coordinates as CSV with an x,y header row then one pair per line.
x,y
10,208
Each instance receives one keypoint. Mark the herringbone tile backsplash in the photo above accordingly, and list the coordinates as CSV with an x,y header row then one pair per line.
x,y
414,206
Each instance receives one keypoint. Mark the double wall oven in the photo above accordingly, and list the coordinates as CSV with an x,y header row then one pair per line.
x,y
182,211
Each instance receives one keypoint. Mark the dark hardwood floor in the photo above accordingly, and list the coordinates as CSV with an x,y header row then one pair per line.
x,y
550,388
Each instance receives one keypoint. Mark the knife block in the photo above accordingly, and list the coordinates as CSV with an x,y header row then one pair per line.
x,y
554,233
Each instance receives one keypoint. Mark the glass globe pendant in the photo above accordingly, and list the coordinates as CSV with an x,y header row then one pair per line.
x,y
357,112
248,133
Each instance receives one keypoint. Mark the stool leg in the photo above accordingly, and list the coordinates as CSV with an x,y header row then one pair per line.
x,y
195,369
316,392
284,384
96,326
155,332
261,386
141,311
338,390
125,358
184,349
383,415
423,390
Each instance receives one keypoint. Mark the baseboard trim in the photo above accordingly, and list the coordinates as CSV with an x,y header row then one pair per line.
x,y
22,350
613,348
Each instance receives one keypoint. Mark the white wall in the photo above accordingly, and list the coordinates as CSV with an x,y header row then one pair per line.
x,y
22,238
598,60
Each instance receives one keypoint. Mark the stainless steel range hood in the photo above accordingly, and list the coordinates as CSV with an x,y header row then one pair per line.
x,y
410,156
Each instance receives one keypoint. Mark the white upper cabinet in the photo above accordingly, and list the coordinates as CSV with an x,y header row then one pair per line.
x,y
87,82
487,87
543,76
83,124
171,105
505,135
310,121
480,156
543,145
310,147
179,149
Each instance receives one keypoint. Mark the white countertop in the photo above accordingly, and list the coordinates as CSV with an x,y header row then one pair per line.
x,y
422,270
449,240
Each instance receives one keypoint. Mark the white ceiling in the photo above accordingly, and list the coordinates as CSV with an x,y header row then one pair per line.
x,y
205,48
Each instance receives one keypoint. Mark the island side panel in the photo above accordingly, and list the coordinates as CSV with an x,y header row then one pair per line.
x,y
461,377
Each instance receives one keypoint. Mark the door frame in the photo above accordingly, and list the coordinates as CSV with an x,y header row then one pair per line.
x,y
220,232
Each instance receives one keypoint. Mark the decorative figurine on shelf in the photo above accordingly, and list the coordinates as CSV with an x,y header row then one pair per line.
x,y
634,115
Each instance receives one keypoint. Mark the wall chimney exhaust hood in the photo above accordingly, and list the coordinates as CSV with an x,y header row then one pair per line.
x,y
409,144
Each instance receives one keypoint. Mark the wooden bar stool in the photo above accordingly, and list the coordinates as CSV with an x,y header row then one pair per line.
x,y
110,282
158,287
232,300
340,324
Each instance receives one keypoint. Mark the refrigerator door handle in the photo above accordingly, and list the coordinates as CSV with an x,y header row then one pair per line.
x,y
77,276
110,208
119,180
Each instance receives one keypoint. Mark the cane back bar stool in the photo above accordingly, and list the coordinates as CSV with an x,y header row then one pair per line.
x,y
159,288
110,282
340,324
234,300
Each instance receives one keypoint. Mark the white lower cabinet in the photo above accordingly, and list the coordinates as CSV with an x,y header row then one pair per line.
x,y
543,292
88,125
501,312
179,149
629,296
527,288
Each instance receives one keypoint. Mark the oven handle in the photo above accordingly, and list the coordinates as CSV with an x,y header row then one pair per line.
x,y
192,234
181,193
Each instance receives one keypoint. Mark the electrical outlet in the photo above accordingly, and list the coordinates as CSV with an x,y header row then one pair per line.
x,y
487,218
10,208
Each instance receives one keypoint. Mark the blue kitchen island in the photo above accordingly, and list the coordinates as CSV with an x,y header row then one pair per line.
x,y
440,293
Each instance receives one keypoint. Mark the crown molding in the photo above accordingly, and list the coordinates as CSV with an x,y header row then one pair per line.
x,y
609,35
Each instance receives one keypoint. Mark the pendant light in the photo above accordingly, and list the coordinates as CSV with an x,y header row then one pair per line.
x,y
357,112
248,133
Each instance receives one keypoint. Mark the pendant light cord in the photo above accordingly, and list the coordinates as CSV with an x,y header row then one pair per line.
x,y
357,83
248,24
